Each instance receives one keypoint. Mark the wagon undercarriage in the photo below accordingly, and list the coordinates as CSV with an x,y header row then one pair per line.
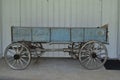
x,y
92,55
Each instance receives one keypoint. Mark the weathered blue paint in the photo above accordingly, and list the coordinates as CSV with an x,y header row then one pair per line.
x,y
45,34
60,35
77,34
20,34
40,34
98,34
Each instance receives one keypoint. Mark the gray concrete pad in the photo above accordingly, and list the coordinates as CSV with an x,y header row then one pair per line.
x,y
56,69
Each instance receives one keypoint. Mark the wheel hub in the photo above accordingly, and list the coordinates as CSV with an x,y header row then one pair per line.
x,y
16,56
93,55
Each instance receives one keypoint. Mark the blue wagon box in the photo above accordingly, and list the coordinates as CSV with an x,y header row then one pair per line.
x,y
59,34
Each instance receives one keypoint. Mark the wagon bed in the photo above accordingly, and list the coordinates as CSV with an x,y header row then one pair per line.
x,y
59,34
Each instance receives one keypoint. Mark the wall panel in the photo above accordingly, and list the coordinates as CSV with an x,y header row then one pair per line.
x,y
118,44
110,16
65,13
0,28
10,17
60,13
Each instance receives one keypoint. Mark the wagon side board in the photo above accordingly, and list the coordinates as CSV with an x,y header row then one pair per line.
x,y
59,34
21,33
98,34
40,34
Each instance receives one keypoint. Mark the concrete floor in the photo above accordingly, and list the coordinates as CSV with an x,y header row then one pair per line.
x,y
56,69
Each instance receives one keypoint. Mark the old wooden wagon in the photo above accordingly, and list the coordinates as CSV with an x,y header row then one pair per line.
x,y
84,44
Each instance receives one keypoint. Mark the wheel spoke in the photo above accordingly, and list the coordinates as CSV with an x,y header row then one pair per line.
x,y
96,46
89,49
17,49
14,49
95,63
84,60
88,61
11,60
99,50
14,62
85,55
21,49
24,60
93,46
24,53
17,63
101,54
91,62
97,60
21,62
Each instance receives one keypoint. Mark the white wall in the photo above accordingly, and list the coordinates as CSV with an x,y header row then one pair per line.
x,y
56,13
60,13
118,51
110,16
0,29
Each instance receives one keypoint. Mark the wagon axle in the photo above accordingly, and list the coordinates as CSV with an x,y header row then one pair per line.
x,y
62,49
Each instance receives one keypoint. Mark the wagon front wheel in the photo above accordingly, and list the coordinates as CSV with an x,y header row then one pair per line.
x,y
17,56
93,55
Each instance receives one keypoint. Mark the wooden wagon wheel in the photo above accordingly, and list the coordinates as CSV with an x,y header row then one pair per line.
x,y
93,55
17,56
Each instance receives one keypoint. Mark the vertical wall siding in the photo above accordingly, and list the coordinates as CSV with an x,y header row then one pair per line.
x,y
64,13
118,45
10,17
0,29
110,16
57,13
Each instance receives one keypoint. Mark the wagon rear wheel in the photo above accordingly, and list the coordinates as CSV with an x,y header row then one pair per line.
x,y
93,55
17,56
